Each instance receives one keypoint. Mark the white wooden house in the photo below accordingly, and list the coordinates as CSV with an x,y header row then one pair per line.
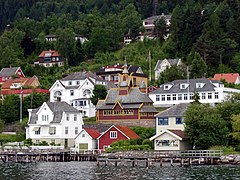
x,y
76,89
163,64
55,123
87,140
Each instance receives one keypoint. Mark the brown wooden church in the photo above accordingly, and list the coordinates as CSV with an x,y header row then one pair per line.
x,y
126,105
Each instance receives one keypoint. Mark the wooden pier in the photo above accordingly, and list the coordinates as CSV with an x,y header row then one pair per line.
x,y
29,157
148,158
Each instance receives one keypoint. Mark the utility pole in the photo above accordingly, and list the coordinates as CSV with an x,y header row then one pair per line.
x,y
150,66
21,102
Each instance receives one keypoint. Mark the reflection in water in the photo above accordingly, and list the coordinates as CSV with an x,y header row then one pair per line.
x,y
89,170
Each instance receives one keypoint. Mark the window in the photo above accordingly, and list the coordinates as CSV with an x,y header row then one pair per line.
x,y
162,121
37,141
76,130
185,96
77,82
37,132
183,86
168,97
179,97
157,97
174,97
44,117
70,83
216,95
179,120
75,117
209,95
67,117
71,92
203,95
191,96
83,135
113,134
163,97
166,87
82,103
66,130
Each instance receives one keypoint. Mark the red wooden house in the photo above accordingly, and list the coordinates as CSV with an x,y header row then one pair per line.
x,y
126,105
115,133
8,73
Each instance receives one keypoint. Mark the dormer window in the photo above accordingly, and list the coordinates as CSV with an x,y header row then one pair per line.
x,y
167,87
183,86
199,85
70,83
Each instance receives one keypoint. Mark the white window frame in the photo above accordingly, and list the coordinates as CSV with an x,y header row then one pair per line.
x,y
75,117
113,134
67,117
66,129
76,130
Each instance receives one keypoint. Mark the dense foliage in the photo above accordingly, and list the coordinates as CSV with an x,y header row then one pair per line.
x,y
208,126
99,92
205,31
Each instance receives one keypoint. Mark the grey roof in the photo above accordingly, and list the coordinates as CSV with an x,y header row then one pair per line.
x,y
8,71
110,85
82,76
33,118
134,96
208,86
148,109
174,111
57,108
100,127
61,107
172,62
168,16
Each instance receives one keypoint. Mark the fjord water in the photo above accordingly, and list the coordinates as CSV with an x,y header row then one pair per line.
x,y
89,170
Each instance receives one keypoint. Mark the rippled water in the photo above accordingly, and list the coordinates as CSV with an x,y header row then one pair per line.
x,y
89,170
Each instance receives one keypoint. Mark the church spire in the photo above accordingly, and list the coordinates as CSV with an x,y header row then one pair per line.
x,y
125,67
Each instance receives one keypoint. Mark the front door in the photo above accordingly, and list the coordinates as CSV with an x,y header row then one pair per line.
x,y
83,147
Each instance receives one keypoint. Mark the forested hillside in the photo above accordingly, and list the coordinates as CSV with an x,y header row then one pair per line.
x,y
204,34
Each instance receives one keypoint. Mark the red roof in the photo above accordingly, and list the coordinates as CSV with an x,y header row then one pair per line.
x,y
128,132
179,133
229,77
24,81
53,53
92,132
24,91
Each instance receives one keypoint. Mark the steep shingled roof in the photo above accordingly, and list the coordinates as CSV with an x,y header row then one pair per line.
x,y
6,72
208,86
174,111
134,96
57,108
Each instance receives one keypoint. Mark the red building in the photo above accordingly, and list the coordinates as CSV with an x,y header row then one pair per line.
x,y
8,73
115,133
126,105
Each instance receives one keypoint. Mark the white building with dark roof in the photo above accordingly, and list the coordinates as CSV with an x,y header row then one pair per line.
x,y
76,89
55,123
163,64
182,91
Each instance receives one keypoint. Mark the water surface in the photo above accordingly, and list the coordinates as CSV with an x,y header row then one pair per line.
x,y
89,170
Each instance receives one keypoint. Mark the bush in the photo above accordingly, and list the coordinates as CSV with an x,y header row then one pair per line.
x,y
28,142
43,143
4,138
148,142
